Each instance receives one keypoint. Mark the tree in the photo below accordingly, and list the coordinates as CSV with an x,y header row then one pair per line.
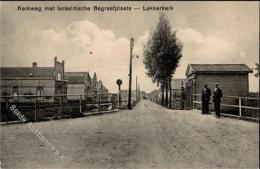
x,y
161,56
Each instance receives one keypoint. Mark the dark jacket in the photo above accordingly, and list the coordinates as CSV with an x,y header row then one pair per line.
x,y
205,94
217,94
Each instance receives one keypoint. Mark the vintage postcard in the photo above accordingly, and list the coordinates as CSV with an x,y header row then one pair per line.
x,y
129,84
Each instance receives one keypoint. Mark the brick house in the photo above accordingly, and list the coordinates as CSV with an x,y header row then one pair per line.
x,y
94,84
80,83
177,93
232,78
103,90
176,87
34,81
154,95
97,87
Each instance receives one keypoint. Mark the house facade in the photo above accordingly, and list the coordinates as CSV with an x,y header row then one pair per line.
x,y
177,90
102,90
177,87
80,83
40,81
232,78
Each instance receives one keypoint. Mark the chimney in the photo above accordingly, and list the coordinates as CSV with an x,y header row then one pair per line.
x,y
34,64
55,60
63,67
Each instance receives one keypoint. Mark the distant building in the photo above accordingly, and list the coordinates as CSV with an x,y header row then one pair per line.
x,y
124,96
176,87
79,83
232,78
93,86
155,96
102,90
34,81
97,87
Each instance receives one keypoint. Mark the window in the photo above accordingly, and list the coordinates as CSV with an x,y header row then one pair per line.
x,y
15,92
39,92
58,76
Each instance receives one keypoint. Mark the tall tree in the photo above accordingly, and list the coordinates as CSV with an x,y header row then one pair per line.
x,y
161,56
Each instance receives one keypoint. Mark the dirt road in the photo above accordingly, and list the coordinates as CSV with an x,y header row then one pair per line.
x,y
148,136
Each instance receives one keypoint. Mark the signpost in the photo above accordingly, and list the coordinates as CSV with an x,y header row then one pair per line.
x,y
119,83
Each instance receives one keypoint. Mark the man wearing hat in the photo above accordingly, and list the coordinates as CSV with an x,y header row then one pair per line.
x,y
205,97
217,94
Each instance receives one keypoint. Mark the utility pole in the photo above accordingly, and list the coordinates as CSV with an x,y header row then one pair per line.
x,y
130,73
139,93
136,89
99,97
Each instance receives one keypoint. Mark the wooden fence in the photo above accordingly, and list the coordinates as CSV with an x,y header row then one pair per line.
x,y
38,108
234,105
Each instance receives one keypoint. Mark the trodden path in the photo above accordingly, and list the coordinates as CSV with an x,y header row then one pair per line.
x,y
149,136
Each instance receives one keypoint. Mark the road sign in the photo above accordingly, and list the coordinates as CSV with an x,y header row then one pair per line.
x,y
119,82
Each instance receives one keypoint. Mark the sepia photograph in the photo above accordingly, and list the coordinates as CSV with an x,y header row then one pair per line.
x,y
129,84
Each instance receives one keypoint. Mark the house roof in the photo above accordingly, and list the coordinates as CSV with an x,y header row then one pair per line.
x,y
154,94
104,87
217,68
26,72
76,79
76,74
100,84
176,83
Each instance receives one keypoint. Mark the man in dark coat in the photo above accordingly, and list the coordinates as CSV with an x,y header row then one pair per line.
x,y
205,98
217,94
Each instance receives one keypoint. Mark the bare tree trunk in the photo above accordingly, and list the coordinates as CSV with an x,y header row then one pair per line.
x,y
166,95
170,88
162,91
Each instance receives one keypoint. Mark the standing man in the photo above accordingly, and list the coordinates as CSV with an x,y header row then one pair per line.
x,y
217,99
205,98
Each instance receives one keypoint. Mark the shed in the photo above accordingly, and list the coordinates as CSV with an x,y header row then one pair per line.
x,y
232,78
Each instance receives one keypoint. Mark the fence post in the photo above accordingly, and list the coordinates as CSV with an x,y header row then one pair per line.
x,y
80,108
35,109
60,107
240,108
193,106
99,105
7,109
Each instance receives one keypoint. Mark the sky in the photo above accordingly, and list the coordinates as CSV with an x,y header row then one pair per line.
x,y
93,41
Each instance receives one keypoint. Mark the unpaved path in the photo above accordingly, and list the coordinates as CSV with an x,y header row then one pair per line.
x,y
148,136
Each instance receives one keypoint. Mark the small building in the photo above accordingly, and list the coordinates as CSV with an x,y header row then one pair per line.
x,y
232,78
155,96
177,93
96,88
34,80
124,97
176,87
101,88
79,83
